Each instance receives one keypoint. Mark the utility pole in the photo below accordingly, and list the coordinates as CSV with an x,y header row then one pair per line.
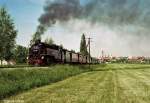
x,y
102,53
89,45
89,40
102,56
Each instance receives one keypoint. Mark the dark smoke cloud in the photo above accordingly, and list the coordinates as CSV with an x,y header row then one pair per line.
x,y
58,10
119,11
111,12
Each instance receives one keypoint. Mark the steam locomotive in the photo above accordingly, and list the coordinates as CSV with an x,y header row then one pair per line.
x,y
44,54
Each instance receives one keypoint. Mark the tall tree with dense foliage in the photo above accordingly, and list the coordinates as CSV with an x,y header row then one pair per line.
x,y
83,47
20,54
8,34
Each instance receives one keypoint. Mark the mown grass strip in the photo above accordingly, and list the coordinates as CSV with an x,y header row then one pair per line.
x,y
109,67
13,81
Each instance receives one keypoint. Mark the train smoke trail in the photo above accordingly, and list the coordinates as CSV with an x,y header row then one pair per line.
x,y
127,19
106,11
58,10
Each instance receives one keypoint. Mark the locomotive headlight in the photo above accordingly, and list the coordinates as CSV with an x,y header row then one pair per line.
x,y
42,57
27,58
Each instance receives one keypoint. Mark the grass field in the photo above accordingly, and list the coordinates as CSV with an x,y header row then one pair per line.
x,y
15,80
115,83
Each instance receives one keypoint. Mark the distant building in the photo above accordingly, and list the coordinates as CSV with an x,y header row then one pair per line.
x,y
138,59
4,62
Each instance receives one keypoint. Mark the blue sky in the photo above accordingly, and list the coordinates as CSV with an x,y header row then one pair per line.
x,y
25,14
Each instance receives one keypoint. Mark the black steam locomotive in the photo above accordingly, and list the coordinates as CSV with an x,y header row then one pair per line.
x,y
43,54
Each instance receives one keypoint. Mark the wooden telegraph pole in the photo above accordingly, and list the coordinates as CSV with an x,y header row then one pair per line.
x,y
89,45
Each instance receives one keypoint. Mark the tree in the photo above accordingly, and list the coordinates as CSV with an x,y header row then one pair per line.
x,y
49,41
7,35
20,54
83,47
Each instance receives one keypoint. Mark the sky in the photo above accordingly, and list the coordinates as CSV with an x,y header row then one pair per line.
x,y
118,27
25,14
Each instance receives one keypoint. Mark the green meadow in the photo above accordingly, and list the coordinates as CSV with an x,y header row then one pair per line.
x,y
111,83
14,80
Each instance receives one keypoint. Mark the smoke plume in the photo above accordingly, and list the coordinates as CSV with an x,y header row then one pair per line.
x,y
128,20
106,11
58,10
